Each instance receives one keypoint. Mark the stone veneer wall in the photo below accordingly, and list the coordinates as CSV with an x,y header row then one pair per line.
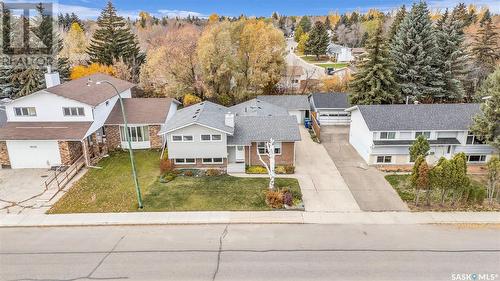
x,y
112,137
4,154
286,157
70,151
154,138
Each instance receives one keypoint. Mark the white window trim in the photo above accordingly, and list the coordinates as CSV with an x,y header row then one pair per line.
x,y
469,133
383,162
280,147
185,162
423,133
211,138
144,133
28,110
182,138
380,135
213,162
77,108
484,161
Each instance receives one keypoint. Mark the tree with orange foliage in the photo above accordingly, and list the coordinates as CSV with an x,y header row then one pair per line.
x,y
80,71
213,18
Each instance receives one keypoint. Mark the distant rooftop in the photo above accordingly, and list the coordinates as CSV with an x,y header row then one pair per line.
x,y
290,102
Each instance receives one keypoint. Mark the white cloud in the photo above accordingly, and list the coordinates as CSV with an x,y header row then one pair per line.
x,y
493,5
179,13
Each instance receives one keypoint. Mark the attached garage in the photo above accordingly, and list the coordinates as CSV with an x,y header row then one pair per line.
x,y
333,117
297,105
33,154
330,108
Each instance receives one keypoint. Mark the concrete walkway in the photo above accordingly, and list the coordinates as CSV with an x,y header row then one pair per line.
x,y
323,188
367,184
291,217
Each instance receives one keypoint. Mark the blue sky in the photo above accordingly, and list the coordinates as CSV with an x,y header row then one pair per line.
x,y
91,8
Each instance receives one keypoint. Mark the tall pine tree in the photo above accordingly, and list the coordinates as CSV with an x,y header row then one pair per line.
x,y
398,19
114,41
485,46
305,23
414,52
374,82
318,40
450,37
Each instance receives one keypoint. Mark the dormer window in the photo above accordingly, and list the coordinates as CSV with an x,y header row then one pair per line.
x,y
73,111
25,111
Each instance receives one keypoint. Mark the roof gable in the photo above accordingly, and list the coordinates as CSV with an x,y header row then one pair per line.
x,y
141,111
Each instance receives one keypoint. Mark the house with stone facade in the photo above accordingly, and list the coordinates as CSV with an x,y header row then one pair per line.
x,y
78,119
207,135
382,134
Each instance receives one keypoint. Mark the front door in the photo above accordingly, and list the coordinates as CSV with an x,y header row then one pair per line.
x,y
240,153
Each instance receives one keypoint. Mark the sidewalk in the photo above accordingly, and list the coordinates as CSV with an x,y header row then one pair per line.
x,y
288,217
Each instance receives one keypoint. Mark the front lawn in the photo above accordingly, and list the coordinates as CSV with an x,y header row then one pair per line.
x,y
334,65
471,200
313,59
111,189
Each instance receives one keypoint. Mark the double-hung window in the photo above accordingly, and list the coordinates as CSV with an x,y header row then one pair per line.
x,y
136,133
384,159
73,111
25,111
472,139
387,135
262,148
208,137
426,134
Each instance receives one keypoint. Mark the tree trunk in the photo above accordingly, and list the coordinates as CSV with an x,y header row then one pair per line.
x,y
443,194
417,195
428,196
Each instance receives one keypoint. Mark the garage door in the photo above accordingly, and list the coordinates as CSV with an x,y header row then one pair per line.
x,y
297,114
334,118
33,154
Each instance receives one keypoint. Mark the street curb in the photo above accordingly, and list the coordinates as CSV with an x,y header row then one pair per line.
x,y
265,217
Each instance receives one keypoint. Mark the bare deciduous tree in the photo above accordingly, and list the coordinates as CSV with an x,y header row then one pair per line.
x,y
270,153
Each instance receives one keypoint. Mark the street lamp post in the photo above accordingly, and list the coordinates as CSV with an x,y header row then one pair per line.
x,y
127,136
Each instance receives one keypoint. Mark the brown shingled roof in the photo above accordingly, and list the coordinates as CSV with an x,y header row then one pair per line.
x,y
44,130
91,94
141,111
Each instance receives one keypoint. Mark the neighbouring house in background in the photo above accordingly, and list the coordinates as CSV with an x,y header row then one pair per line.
x,y
207,135
65,122
382,134
330,108
358,52
291,78
297,105
339,53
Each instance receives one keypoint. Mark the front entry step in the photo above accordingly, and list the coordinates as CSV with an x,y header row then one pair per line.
x,y
236,167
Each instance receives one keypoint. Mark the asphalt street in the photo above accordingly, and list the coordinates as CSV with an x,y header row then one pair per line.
x,y
250,252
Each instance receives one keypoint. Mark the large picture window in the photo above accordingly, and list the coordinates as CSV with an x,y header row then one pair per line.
x,y
137,133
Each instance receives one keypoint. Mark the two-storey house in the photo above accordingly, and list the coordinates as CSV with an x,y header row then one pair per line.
x,y
382,134
65,122
208,135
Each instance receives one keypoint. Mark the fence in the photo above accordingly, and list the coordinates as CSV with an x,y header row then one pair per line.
x,y
315,124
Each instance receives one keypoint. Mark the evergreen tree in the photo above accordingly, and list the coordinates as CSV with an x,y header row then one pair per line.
x,y
461,14
328,24
487,124
113,40
414,52
317,43
374,82
305,23
419,148
400,15
485,47
6,87
27,80
450,38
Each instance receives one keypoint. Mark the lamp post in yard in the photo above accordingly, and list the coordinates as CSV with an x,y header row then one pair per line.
x,y
127,136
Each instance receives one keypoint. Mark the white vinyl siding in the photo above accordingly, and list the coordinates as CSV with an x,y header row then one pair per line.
x,y
197,148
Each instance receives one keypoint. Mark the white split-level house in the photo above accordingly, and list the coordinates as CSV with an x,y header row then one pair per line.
x,y
207,135
330,108
382,134
80,118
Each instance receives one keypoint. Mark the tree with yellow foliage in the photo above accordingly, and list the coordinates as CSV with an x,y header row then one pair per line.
x,y
190,99
213,18
80,71
334,18
74,45
301,47
336,83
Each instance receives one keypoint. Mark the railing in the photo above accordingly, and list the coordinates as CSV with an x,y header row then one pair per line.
x,y
315,125
64,176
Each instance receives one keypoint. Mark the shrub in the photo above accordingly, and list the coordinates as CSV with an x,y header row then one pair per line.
x,y
190,99
256,170
166,166
288,198
274,199
188,173
280,170
290,169
213,172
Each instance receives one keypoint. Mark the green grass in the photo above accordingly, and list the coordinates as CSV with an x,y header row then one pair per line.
x,y
220,193
111,189
312,59
334,65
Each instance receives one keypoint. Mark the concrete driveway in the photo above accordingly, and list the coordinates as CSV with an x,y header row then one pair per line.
x,y
22,190
367,184
323,188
